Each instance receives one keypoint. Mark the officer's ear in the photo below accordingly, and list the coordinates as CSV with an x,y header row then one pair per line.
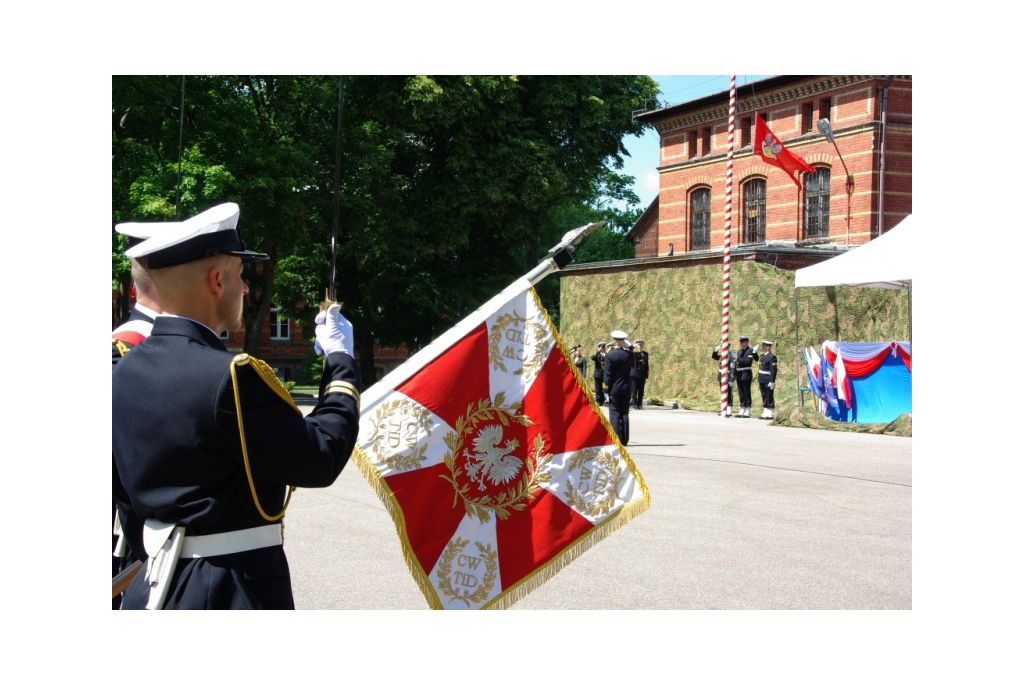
x,y
216,277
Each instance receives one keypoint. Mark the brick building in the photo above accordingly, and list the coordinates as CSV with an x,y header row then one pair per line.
x,y
866,173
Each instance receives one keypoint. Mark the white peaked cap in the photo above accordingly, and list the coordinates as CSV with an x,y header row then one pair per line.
x,y
206,234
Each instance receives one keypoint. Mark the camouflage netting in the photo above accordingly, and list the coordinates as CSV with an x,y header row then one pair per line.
x,y
677,309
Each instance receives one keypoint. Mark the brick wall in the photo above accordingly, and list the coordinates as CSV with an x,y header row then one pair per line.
x,y
791,106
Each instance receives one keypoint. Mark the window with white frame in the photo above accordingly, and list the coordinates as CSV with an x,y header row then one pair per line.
x,y
280,326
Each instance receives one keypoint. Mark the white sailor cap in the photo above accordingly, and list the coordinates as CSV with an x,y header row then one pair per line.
x,y
137,231
639,341
744,337
767,342
206,234
618,335
601,344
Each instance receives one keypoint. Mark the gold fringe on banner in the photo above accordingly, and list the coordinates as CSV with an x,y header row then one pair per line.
x,y
547,571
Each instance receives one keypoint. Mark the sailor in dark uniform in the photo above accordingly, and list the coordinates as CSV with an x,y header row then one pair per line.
x,y
766,379
139,323
130,333
641,372
618,365
730,377
745,358
207,445
579,360
598,359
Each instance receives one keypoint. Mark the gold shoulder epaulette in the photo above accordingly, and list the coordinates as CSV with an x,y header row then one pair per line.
x,y
267,375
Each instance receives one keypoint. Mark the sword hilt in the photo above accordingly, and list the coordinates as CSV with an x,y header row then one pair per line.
x,y
327,301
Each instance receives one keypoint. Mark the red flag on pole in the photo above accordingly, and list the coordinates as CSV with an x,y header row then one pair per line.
x,y
770,149
496,464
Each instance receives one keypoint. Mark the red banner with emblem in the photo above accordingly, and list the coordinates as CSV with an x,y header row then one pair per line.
x,y
494,461
769,148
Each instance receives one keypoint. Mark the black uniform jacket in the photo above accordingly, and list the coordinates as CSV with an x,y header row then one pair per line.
x,y
717,356
769,368
178,457
618,364
598,360
745,358
641,365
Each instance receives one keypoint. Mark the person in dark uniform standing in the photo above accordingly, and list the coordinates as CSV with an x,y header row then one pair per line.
x,y
766,379
730,379
207,445
745,358
598,359
139,323
641,372
579,360
131,332
618,367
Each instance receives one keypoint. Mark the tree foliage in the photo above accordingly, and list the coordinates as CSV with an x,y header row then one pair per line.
x,y
450,186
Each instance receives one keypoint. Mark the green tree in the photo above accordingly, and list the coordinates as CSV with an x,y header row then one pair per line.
x,y
450,186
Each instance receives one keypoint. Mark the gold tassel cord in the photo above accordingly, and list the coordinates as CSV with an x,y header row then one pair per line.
x,y
266,374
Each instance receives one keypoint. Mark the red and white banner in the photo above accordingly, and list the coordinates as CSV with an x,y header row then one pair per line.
x,y
772,151
494,461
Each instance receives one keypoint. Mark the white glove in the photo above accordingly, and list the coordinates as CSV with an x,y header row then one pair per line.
x,y
333,332
718,347
771,386
756,348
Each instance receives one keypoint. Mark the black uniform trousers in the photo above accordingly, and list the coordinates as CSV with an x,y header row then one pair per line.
x,y
618,365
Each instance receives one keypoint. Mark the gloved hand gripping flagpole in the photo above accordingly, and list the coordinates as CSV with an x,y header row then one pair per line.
x,y
557,258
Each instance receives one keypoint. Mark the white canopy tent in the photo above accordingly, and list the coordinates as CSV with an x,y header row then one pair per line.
x,y
885,262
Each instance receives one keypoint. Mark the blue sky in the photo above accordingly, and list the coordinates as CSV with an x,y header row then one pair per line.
x,y
642,163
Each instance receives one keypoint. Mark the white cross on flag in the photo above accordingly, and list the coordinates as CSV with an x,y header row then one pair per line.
x,y
497,466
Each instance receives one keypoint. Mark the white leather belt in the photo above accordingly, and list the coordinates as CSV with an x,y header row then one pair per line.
x,y
764,372
231,542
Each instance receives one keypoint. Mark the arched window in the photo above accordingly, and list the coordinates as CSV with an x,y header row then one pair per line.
x,y
816,194
753,211
700,219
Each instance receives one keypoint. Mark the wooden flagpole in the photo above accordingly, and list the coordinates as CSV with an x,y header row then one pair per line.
x,y
726,256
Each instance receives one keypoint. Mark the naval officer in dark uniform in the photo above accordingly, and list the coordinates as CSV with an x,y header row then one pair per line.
x,y
618,365
766,379
598,359
745,358
641,372
207,445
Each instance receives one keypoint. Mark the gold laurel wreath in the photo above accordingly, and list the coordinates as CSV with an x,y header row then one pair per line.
x,y
536,471
535,362
399,462
591,504
444,570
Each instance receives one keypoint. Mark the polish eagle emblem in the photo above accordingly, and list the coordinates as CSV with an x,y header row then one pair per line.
x,y
491,461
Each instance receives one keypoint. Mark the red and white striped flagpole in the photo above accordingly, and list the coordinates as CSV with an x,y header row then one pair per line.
x,y
726,245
